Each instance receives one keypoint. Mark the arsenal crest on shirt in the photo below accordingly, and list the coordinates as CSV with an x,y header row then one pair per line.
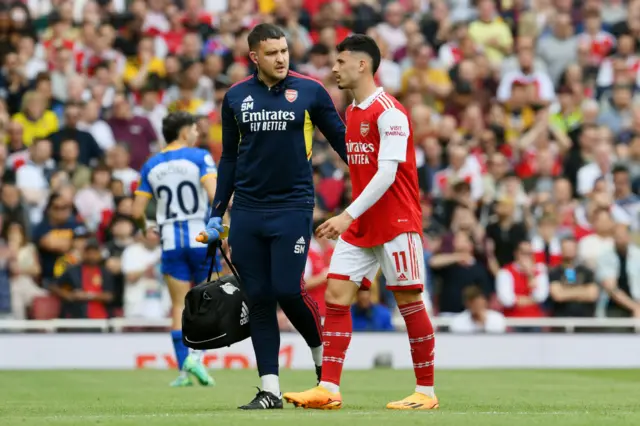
x,y
291,95
364,128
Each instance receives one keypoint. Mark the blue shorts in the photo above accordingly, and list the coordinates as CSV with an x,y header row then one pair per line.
x,y
189,264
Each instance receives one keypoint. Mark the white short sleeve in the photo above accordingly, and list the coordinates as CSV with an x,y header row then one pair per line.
x,y
393,126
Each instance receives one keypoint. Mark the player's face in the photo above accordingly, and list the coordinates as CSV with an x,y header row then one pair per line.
x,y
272,58
347,69
192,135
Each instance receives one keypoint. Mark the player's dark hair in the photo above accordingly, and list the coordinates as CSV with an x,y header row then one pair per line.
x,y
263,32
363,44
174,122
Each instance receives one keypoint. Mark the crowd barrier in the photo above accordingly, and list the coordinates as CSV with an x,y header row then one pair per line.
x,y
122,345
122,324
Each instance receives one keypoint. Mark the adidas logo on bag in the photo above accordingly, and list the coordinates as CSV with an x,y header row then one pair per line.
x,y
244,315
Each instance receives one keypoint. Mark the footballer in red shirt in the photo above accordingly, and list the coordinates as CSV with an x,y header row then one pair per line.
x,y
381,228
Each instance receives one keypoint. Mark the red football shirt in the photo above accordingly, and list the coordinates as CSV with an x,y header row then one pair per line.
x,y
378,129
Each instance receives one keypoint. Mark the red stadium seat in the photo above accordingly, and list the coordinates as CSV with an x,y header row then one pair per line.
x,y
45,307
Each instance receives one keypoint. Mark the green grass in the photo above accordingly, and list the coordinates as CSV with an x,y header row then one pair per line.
x,y
467,398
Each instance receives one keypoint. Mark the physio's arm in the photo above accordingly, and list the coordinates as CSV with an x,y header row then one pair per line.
x,y
227,167
326,118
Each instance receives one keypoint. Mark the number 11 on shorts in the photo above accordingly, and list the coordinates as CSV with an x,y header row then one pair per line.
x,y
400,255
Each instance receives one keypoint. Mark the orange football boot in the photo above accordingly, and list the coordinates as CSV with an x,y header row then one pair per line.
x,y
417,401
317,398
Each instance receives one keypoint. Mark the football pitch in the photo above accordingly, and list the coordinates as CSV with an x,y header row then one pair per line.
x,y
467,398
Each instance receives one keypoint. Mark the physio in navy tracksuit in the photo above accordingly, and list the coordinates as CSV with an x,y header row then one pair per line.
x,y
268,121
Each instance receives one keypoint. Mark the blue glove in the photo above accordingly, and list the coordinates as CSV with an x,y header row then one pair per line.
x,y
214,228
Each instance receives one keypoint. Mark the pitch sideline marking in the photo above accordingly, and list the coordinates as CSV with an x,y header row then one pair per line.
x,y
276,414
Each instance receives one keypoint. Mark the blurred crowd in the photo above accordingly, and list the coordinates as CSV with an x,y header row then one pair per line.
x,y
526,125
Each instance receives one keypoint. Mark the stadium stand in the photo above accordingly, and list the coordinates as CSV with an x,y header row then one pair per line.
x,y
527,134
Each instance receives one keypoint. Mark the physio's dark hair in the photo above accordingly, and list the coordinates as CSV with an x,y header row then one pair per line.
x,y
174,122
263,32
363,44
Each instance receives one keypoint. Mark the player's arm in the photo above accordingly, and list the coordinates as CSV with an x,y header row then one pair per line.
x,y
326,118
228,161
393,126
208,175
143,195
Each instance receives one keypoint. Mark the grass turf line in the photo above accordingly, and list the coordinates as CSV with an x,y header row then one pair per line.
x,y
468,398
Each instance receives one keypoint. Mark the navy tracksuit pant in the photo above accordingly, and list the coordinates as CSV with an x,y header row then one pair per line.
x,y
269,250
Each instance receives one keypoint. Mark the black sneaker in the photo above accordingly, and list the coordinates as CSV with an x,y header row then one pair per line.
x,y
263,401
318,373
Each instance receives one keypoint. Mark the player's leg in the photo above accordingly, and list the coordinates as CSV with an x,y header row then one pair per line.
x,y
350,267
198,264
402,263
291,235
176,275
252,259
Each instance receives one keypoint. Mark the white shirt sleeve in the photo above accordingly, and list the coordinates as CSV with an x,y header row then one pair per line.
x,y
504,288
393,127
375,189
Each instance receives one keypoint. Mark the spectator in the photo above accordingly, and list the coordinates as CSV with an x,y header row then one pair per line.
x,y
522,286
120,235
369,316
477,317
53,235
95,203
591,247
457,272
74,255
135,131
559,49
95,126
5,284
151,109
624,197
86,288
618,273
33,178
573,290
37,121
505,234
145,296
118,160
491,32
79,174
24,268
13,208
546,245
89,149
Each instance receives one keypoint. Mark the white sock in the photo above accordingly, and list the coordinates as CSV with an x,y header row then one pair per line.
x,y
271,383
199,354
426,390
331,387
316,354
